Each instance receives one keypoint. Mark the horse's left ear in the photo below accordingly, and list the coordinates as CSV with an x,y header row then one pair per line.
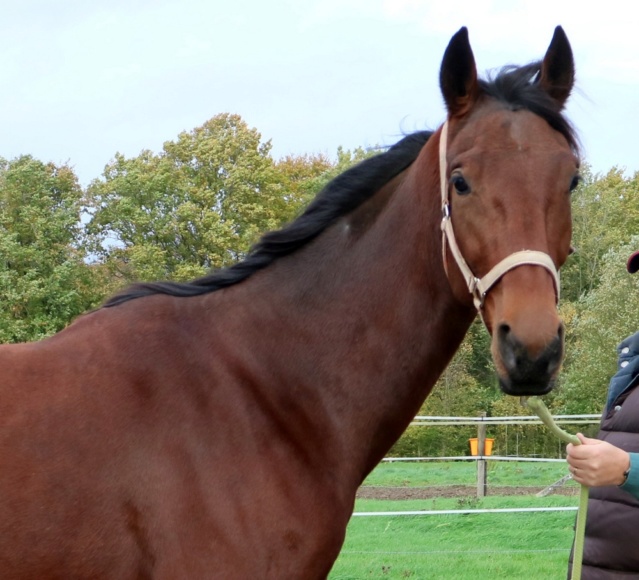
x,y
558,68
458,75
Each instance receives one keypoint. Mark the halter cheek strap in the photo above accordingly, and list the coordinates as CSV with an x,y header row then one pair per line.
x,y
479,287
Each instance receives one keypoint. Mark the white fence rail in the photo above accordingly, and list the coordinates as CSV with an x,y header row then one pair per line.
x,y
426,420
467,511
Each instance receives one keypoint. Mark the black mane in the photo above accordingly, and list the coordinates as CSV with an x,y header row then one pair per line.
x,y
341,196
516,87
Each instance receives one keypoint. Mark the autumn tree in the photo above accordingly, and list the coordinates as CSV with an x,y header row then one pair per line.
x,y
199,204
300,178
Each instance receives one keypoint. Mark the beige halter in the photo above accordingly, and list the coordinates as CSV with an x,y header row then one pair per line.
x,y
479,287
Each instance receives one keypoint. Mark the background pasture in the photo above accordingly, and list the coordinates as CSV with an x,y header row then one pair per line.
x,y
532,545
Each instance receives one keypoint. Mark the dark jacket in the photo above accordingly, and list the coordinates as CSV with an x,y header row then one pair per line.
x,y
611,549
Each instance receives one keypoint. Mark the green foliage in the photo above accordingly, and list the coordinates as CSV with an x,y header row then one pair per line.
x,y
300,179
606,315
199,204
44,280
605,213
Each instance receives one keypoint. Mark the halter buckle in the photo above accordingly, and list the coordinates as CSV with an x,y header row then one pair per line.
x,y
475,288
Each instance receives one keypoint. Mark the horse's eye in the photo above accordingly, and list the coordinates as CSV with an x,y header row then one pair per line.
x,y
576,180
460,184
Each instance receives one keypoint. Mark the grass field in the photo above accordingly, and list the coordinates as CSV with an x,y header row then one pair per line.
x,y
513,546
500,473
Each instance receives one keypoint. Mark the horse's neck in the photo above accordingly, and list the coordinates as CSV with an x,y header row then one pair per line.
x,y
362,323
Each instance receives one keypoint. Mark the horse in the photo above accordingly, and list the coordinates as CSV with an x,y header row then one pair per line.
x,y
220,428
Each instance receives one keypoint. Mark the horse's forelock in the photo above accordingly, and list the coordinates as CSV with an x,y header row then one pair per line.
x,y
519,88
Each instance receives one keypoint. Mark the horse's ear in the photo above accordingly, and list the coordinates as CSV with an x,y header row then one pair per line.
x,y
458,75
558,68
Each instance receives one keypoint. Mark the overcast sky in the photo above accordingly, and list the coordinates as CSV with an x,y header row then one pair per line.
x,y
84,79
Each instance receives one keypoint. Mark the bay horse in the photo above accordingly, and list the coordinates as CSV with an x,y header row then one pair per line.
x,y
221,428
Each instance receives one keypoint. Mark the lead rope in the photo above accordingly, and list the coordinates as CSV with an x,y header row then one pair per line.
x,y
538,407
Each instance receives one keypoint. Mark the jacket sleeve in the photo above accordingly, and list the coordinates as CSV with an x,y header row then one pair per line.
x,y
631,485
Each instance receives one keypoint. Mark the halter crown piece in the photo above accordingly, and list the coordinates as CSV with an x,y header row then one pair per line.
x,y
479,287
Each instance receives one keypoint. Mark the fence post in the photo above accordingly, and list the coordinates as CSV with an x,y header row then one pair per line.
x,y
481,462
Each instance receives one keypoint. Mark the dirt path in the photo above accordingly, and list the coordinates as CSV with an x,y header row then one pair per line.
x,y
396,493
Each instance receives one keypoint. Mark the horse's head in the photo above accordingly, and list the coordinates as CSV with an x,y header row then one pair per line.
x,y
509,162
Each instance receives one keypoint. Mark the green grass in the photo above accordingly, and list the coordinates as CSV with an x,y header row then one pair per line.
x,y
455,547
431,473
513,546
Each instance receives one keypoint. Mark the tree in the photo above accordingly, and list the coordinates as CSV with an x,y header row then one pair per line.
x,y
301,178
202,202
604,317
44,279
605,214
199,204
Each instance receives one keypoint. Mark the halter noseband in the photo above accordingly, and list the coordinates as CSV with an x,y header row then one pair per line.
x,y
479,287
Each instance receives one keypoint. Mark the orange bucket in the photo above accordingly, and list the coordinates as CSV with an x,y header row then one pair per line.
x,y
488,446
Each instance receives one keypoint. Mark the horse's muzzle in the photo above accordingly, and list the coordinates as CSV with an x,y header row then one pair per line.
x,y
525,374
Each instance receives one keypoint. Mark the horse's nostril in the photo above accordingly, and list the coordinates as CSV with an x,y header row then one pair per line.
x,y
504,330
508,347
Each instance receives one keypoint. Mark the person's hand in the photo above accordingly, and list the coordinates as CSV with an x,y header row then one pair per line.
x,y
595,463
